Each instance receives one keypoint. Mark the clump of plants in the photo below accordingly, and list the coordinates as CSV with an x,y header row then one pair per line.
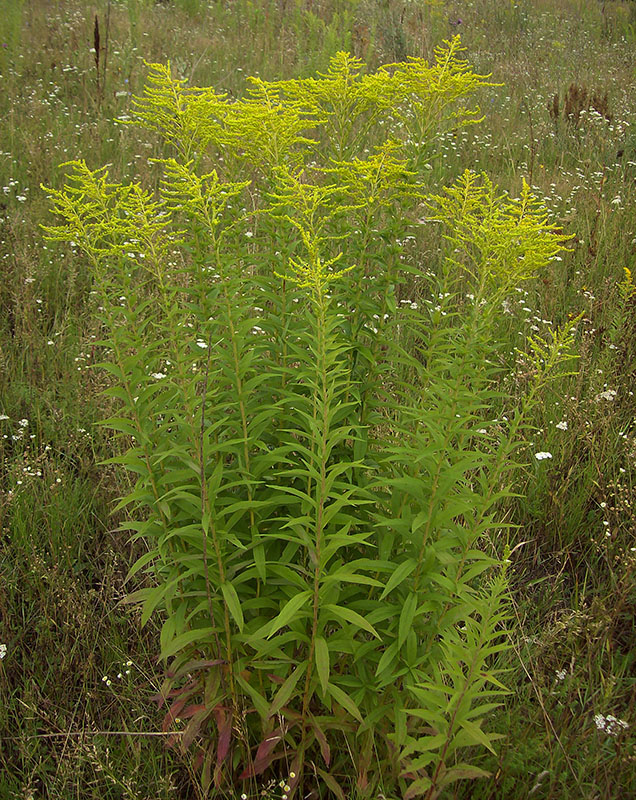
x,y
308,414
576,102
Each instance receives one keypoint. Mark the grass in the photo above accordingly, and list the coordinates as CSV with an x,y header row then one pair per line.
x,y
63,563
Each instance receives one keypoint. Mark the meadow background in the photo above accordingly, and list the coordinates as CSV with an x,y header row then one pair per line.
x,y
77,673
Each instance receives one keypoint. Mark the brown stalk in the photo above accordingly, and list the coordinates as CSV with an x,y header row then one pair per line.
x,y
96,44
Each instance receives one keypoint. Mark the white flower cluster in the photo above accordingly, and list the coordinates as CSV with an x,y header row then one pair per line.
x,y
542,456
3,651
610,724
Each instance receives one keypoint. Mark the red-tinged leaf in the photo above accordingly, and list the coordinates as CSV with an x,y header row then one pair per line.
x,y
418,787
171,741
363,780
161,697
198,759
224,725
167,693
190,711
363,763
264,755
325,750
332,783
294,775
194,726
173,713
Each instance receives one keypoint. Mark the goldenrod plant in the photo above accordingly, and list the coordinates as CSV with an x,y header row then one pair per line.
x,y
308,418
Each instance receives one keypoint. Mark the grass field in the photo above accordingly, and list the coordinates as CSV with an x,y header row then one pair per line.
x,y
77,671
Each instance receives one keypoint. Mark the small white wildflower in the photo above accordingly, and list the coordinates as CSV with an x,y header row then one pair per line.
x,y
3,651
610,724
249,234
23,423
609,395
129,663
3,416
561,674
157,375
202,344
292,775
542,455
562,426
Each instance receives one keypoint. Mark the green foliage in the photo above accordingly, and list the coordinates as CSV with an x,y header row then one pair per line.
x,y
313,482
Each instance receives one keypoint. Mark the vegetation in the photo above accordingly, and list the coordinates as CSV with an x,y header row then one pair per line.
x,y
366,410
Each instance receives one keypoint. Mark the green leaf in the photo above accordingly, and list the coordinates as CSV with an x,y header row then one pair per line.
x,y
285,691
401,573
332,783
343,699
388,659
475,735
418,787
233,603
141,562
348,615
259,561
288,611
260,703
462,772
321,653
406,618
201,635
122,425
